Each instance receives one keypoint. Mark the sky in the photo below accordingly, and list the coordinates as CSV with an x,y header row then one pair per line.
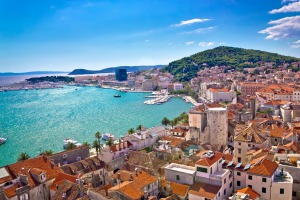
x,y
56,35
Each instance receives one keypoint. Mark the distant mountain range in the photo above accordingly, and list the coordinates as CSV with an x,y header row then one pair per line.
x,y
30,73
113,69
237,58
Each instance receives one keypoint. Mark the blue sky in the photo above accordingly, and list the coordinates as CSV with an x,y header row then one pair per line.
x,y
64,35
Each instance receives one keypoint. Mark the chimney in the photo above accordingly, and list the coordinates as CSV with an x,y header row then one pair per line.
x,y
136,171
125,143
121,145
117,147
130,177
119,175
23,179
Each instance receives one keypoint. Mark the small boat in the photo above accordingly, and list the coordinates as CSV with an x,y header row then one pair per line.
x,y
2,140
107,136
117,95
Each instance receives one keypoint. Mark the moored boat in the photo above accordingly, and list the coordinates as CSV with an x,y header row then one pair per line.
x,y
117,95
2,140
107,136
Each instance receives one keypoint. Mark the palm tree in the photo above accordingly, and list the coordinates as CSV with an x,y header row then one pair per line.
x,y
165,121
23,156
98,136
172,123
109,142
139,127
131,131
97,146
48,152
85,144
70,146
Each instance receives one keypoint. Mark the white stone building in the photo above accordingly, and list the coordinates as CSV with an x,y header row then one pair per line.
x,y
109,153
220,95
177,86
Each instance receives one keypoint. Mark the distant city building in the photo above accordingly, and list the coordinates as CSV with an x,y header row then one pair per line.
x,y
177,86
121,74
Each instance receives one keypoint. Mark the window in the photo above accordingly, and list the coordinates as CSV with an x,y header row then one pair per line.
x,y
263,190
281,191
230,185
264,180
202,169
250,186
177,177
224,191
239,150
238,173
238,183
294,194
239,159
250,177
249,145
65,155
275,140
78,158
239,144
224,180
148,187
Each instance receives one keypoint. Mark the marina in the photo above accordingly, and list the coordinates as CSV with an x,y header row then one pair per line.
x,y
44,118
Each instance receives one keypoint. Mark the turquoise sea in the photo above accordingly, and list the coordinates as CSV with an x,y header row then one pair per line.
x,y
38,120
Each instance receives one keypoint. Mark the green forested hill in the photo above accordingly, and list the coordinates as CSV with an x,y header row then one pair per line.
x,y
238,58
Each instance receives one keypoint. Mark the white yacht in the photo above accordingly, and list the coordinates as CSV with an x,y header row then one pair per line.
x,y
107,136
2,140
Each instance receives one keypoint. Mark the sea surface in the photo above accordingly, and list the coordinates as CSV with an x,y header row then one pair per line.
x,y
39,120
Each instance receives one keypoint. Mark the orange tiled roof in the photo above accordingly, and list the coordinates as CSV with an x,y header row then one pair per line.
x,y
251,192
204,190
134,188
264,167
214,105
219,90
41,162
174,141
250,134
11,191
277,131
209,161
141,178
60,178
129,189
177,188
113,148
37,171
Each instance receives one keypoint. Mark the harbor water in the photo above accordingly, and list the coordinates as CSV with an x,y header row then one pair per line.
x,y
39,120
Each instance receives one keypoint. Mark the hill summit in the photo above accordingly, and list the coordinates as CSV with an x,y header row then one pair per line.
x,y
237,58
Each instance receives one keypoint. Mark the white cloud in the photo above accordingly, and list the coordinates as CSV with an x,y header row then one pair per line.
x,y
206,44
297,42
191,21
287,27
190,42
295,46
222,43
285,1
147,41
292,7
